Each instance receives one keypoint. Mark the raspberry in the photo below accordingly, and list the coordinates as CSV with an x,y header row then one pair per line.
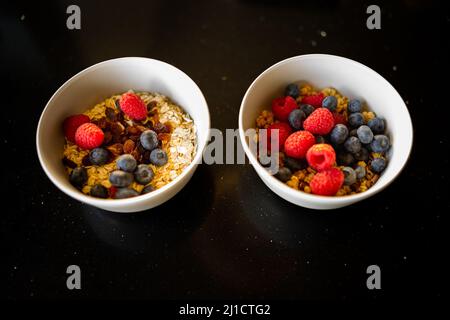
x,y
284,130
315,100
321,121
133,106
282,107
89,136
339,118
72,123
327,182
298,143
321,156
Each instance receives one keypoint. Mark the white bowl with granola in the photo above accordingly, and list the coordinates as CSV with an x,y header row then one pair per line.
x,y
341,78
124,135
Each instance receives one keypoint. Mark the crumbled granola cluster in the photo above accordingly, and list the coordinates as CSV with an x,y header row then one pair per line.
x,y
300,175
175,129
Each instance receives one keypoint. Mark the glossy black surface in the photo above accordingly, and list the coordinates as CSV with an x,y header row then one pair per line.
x,y
226,235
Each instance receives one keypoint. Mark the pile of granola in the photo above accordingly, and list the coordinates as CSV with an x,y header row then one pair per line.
x,y
328,144
176,143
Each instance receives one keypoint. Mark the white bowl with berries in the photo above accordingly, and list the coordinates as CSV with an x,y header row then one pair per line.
x,y
124,135
341,132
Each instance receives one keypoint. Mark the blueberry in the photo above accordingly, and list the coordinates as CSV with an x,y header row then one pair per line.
x,y
330,103
147,189
355,120
352,145
345,158
354,106
376,125
126,162
349,176
339,134
378,164
143,174
307,109
362,155
353,133
294,164
119,178
284,174
123,193
99,191
292,90
320,139
360,172
98,156
365,135
149,139
158,157
296,118
380,143
78,177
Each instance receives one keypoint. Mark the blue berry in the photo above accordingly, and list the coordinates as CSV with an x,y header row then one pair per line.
x,y
349,176
143,174
365,135
284,174
345,158
123,193
158,157
330,103
353,133
360,172
354,106
339,134
119,178
376,125
292,90
352,145
296,118
362,155
98,156
294,164
99,191
148,189
307,109
149,140
78,177
355,120
380,143
126,162
378,164
320,139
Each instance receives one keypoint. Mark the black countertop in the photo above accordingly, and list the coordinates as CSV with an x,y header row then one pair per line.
x,y
225,235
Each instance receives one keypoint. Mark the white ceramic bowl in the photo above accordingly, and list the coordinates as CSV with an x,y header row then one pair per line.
x,y
100,81
352,79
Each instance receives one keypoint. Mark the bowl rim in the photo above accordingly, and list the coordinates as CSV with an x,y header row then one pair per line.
x,y
98,202
297,194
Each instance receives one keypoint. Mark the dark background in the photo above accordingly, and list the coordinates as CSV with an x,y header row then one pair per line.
x,y
225,235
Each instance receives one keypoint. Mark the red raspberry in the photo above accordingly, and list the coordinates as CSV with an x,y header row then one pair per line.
x,y
72,123
339,118
298,143
284,130
315,100
321,121
133,106
281,107
89,136
327,182
321,156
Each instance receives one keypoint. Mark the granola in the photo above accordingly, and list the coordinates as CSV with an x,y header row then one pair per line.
x,y
172,129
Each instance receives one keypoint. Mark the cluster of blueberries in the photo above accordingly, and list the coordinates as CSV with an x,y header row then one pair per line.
x,y
128,169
